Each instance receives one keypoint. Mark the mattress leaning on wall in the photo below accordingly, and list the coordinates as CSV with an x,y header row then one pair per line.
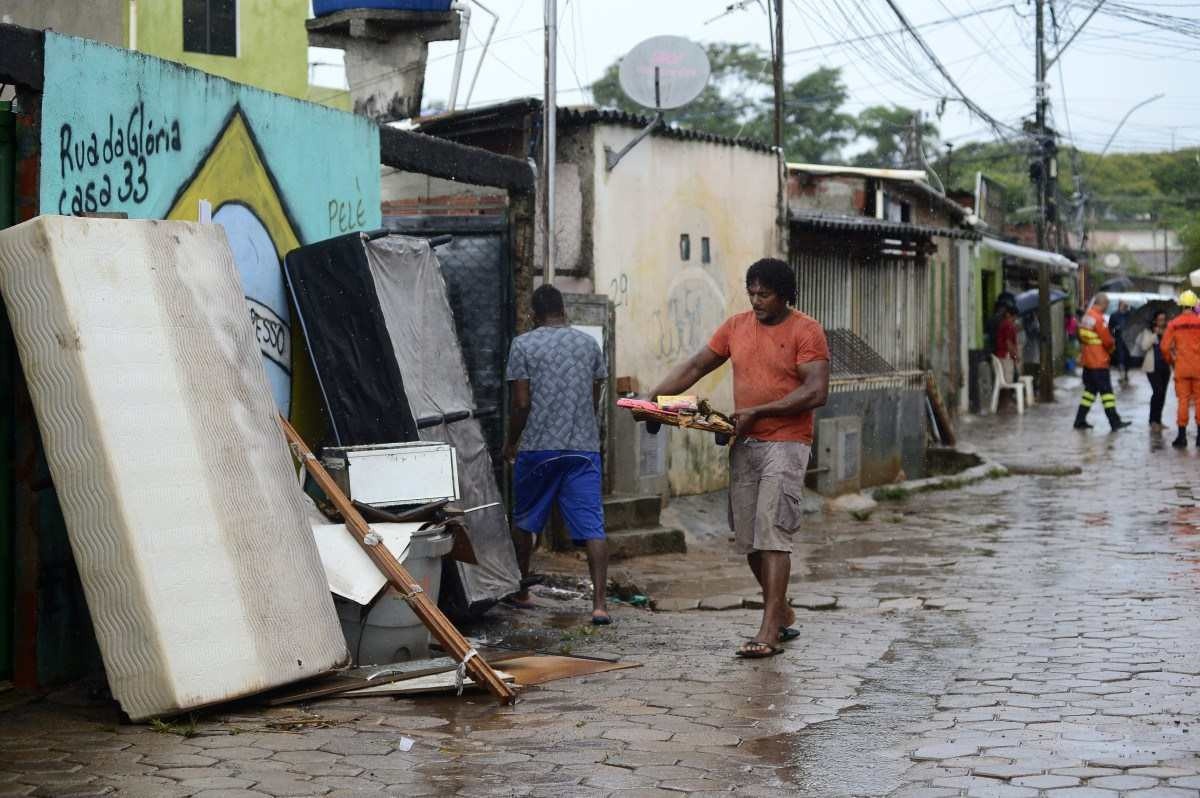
x,y
183,511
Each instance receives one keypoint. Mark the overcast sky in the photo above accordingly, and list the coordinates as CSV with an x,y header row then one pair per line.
x,y
1114,64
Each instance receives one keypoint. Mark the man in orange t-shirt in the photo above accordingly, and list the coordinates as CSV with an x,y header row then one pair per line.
x,y
780,375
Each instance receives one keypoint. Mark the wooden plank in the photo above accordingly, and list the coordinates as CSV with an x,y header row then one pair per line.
x,y
939,411
438,624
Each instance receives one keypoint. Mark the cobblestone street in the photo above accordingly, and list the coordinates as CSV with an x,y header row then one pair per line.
x,y
1020,636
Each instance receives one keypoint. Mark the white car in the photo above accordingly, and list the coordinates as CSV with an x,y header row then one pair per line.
x,y
1134,299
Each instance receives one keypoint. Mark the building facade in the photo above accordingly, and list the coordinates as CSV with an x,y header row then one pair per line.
x,y
261,43
657,234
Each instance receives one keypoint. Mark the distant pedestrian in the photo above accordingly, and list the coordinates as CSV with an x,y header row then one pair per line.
x,y
1008,348
780,375
1097,346
1158,371
1116,324
1181,348
1072,344
555,373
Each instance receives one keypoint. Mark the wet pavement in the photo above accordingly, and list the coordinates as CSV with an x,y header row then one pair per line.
x,y
1021,636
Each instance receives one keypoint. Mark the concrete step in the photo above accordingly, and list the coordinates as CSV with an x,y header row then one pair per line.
x,y
626,543
631,512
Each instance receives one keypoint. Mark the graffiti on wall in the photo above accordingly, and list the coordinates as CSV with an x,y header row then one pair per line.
x,y
123,132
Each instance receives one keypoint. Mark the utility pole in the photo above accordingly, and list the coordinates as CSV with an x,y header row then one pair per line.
x,y
1043,176
549,142
778,67
781,200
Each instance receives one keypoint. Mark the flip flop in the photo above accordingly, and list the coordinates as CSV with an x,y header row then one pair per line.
x,y
788,633
601,620
752,649
517,604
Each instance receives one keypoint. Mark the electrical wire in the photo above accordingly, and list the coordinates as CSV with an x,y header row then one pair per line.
x,y
999,127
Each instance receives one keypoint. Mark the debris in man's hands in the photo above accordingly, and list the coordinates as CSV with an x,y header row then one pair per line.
x,y
678,404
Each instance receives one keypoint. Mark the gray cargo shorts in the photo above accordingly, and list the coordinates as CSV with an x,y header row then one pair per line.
x,y
766,482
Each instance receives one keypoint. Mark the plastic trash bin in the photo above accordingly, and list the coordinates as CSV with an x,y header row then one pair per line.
x,y
389,631
323,7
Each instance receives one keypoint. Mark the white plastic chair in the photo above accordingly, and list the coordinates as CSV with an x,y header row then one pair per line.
x,y
1030,394
1000,384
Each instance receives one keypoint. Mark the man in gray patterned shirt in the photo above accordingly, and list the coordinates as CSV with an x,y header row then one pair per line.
x,y
555,373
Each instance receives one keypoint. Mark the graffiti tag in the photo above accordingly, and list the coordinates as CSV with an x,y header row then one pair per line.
x,y
694,310
274,339
618,290
103,166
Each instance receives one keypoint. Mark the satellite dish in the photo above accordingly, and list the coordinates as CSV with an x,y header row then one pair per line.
x,y
665,72
1112,260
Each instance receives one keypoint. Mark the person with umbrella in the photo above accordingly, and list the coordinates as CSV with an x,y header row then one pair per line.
x,y
1116,323
1097,345
1158,371
1181,348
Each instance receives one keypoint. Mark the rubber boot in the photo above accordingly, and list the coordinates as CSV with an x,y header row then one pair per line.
x,y
1180,441
1081,418
1114,419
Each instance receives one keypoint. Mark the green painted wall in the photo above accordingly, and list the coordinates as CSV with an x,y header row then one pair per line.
x,y
985,261
272,43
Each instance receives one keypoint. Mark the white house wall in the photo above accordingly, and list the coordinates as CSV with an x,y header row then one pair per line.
x,y
666,308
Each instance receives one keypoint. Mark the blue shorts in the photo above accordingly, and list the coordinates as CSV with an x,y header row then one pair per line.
x,y
573,478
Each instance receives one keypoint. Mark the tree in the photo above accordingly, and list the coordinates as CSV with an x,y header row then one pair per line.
x,y
738,102
814,127
1189,236
890,129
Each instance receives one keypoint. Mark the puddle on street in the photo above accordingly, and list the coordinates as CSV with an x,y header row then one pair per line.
x,y
860,753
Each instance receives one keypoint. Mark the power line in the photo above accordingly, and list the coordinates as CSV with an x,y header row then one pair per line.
x,y
923,26
996,124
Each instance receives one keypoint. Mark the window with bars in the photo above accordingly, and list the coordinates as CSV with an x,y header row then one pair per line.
x,y
210,26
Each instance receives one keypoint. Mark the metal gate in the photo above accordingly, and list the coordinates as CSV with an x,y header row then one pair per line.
x,y
884,301
476,266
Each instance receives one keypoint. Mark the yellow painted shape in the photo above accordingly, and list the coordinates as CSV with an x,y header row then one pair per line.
x,y
234,172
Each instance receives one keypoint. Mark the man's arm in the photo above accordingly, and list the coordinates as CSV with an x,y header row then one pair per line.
x,y
688,373
812,393
518,415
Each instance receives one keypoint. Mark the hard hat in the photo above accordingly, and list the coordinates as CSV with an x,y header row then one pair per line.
x,y
1188,299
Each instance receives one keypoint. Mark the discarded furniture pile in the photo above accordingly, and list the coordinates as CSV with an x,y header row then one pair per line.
x,y
210,563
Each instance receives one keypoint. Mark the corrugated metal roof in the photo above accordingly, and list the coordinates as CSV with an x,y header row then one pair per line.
x,y
857,171
501,114
866,224
1060,262
589,115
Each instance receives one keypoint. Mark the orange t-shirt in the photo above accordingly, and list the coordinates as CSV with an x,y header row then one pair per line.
x,y
764,358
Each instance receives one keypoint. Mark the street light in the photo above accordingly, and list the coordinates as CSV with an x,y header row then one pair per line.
x,y
1128,113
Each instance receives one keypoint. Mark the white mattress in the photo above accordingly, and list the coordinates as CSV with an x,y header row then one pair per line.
x,y
184,513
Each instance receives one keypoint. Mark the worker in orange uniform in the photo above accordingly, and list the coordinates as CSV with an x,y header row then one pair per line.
x,y
1181,348
1096,346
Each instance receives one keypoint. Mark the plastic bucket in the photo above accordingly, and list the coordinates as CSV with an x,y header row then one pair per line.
x,y
389,631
